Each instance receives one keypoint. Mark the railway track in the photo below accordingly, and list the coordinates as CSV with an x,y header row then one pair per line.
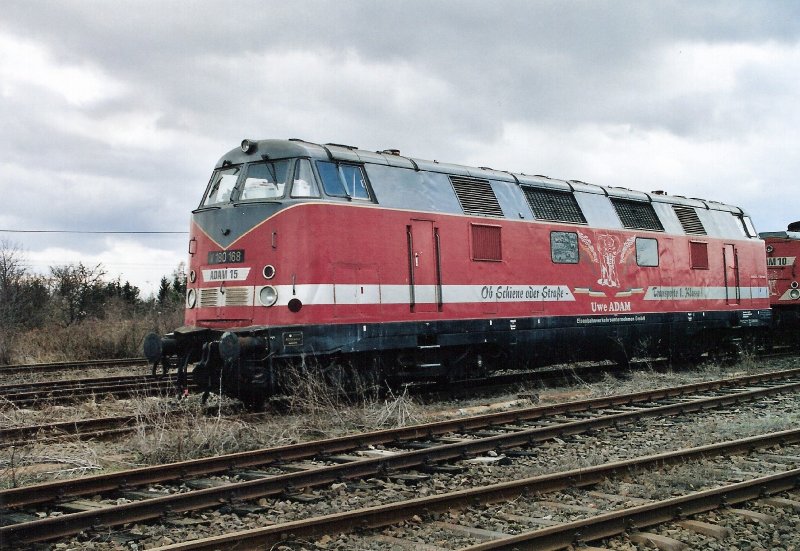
x,y
53,367
26,394
281,471
533,498
120,424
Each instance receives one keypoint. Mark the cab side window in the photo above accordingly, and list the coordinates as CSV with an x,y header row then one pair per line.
x,y
343,180
304,184
354,182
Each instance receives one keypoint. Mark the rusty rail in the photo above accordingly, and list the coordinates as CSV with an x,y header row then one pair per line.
x,y
384,515
53,527
62,366
42,493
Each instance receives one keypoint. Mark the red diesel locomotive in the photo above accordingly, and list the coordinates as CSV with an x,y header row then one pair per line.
x,y
783,275
419,269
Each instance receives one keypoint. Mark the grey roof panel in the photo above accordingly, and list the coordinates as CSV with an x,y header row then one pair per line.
x,y
342,153
558,185
444,168
587,188
678,200
491,174
299,148
625,193
274,149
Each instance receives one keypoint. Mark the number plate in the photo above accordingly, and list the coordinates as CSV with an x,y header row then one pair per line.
x,y
234,256
293,338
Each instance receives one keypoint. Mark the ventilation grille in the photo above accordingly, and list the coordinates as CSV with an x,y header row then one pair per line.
x,y
637,215
689,220
208,297
558,206
238,296
212,297
486,243
476,196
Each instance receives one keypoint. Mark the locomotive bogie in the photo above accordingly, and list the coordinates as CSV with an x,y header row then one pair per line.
x,y
433,270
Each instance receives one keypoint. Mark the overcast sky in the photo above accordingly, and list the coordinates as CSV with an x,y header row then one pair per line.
x,y
114,113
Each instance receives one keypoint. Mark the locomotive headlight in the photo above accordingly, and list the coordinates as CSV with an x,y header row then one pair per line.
x,y
248,146
191,298
268,271
268,295
192,276
794,293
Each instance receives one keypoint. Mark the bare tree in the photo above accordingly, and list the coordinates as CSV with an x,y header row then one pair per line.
x,y
22,296
12,274
78,291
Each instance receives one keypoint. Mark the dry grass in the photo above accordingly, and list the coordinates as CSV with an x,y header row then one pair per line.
x,y
35,462
119,334
337,399
171,430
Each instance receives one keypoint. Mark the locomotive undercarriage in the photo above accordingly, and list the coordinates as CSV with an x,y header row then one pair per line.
x,y
256,363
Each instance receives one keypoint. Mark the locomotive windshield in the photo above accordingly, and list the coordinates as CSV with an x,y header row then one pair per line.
x,y
223,182
265,181
270,180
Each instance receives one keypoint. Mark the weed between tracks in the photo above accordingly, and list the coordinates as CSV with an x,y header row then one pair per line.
x,y
336,400
37,462
170,430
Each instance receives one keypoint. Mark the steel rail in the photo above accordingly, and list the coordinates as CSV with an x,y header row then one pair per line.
x,y
384,515
61,366
65,390
53,527
651,514
29,399
15,436
41,493
44,386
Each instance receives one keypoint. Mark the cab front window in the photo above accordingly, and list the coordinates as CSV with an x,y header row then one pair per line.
x,y
265,181
222,185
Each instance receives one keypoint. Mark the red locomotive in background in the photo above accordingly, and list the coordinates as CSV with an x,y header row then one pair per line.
x,y
419,269
783,275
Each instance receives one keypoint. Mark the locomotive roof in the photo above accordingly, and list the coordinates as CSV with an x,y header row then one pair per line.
x,y
780,234
792,232
280,149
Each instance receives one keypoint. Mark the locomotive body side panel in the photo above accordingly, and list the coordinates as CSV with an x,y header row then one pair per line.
x,y
374,265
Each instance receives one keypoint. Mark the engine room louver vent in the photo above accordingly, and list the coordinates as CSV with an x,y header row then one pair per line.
x,y
557,206
689,220
476,196
238,296
637,215
208,297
